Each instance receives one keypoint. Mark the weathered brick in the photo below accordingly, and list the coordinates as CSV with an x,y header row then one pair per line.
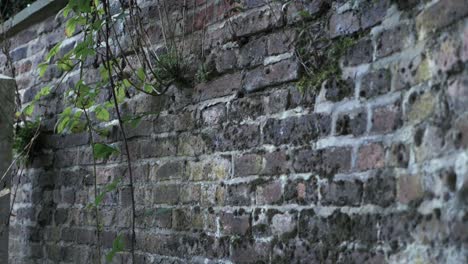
x,y
222,86
233,137
387,118
273,74
257,20
296,130
380,189
441,14
458,93
269,193
235,224
343,24
170,171
354,123
359,53
247,251
301,191
238,194
373,12
253,53
342,193
166,194
325,162
375,83
214,115
398,155
393,40
248,164
214,168
371,156
409,188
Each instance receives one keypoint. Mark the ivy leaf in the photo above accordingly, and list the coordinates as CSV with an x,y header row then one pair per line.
x,y
53,51
104,151
65,64
62,124
141,74
43,92
102,114
29,109
70,27
117,246
42,68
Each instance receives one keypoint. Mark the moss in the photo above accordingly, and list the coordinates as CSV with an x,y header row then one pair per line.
x,y
327,64
23,137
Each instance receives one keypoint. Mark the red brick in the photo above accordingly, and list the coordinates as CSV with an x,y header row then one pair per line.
x,y
371,157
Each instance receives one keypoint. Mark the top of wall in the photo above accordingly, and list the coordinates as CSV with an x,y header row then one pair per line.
x,y
34,13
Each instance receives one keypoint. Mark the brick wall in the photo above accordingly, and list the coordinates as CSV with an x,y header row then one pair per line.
x,y
247,169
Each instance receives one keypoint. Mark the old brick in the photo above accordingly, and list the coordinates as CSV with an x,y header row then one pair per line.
x,y
247,251
214,168
269,193
276,162
248,164
458,93
296,130
166,194
171,170
441,14
354,123
238,194
214,115
226,60
222,86
253,53
371,156
234,224
190,144
380,189
283,224
337,89
409,188
398,155
257,20
273,74
325,162
393,40
19,53
387,118
279,42
343,24
342,193
233,137
375,83
301,191
373,12
359,53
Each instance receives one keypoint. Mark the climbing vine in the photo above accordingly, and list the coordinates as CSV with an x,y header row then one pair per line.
x,y
114,41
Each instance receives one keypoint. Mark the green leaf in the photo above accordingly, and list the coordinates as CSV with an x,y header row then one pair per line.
x,y
148,88
104,151
141,74
62,124
53,51
42,68
29,109
102,114
65,64
70,27
117,246
43,92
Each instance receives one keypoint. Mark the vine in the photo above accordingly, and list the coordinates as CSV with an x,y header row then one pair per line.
x,y
94,24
